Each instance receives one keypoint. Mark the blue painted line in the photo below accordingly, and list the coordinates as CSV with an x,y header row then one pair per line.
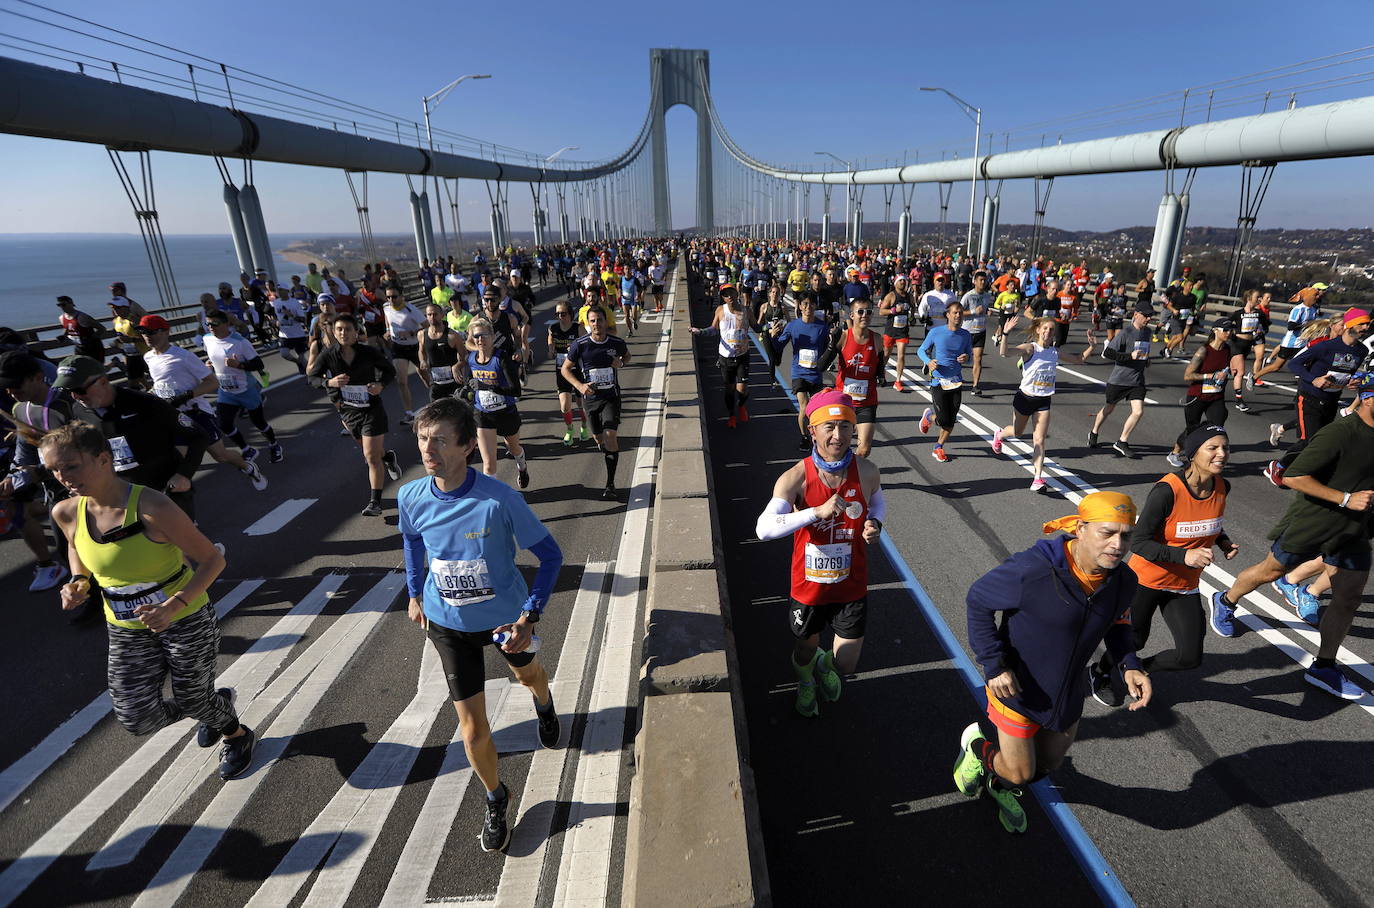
x,y
1095,867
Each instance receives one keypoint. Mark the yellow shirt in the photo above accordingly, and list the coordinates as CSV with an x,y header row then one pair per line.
x,y
442,296
797,280
610,315
611,281
1008,301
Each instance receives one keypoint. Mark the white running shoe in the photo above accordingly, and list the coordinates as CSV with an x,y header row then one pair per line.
x,y
255,475
45,577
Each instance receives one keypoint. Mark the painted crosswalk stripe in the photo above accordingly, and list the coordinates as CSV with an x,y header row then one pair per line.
x,y
279,516
23,772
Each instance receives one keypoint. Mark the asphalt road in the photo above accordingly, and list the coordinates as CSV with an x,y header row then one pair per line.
x,y
1238,785
358,793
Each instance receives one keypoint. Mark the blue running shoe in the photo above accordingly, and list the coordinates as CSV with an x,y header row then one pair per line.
x,y
1223,616
1309,608
1289,591
1334,682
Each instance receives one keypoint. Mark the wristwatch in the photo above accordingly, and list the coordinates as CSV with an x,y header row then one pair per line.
x,y
530,615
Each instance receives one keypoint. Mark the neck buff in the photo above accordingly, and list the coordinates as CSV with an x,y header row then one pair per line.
x,y
838,466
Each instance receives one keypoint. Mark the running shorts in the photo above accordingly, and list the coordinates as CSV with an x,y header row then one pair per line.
x,y
1286,353
846,619
506,422
564,386
408,352
864,415
1009,720
806,386
891,340
602,412
656,289
364,423
980,340
461,654
946,405
204,421
1028,405
734,369
1117,393
440,390
1354,556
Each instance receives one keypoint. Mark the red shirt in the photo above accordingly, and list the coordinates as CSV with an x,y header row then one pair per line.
x,y
829,557
857,370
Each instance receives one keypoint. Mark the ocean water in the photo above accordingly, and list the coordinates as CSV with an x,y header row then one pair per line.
x,y
40,267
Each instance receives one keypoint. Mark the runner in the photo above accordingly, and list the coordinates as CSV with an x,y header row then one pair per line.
x,y
832,505
897,307
934,302
1039,370
135,544
657,272
1249,331
1206,374
1171,545
355,375
180,378
1008,305
292,315
629,299
1330,519
233,358
977,305
945,350
731,324
441,349
1034,660
461,532
81,330
403,324
592,365
494,395
562,332
125,315
1130,351
857,373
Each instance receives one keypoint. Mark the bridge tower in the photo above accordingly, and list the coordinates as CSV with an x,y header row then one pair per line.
x,y
680,77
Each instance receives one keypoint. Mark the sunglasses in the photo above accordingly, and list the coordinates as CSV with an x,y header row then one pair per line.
x,y
476,336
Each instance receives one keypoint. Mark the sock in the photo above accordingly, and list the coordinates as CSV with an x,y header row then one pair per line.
x,y
520,460
581,416
1319,662
544,708
231,728
48,563
730,401
567,419
270,434
375,496
499,794
1227,599
612,461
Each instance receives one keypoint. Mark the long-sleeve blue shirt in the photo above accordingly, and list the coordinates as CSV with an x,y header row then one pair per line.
x,y
1332,357
945,347
808,341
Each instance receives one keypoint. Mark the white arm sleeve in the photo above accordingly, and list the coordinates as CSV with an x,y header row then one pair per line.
x,y
778,520
877,507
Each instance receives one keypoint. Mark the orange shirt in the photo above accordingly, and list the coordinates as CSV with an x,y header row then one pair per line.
x,y
1190,524
1090,582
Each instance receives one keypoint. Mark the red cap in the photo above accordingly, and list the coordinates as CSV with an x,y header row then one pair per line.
x,y
154,323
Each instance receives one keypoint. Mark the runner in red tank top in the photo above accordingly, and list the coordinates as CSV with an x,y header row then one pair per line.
x,y
833,506
857,372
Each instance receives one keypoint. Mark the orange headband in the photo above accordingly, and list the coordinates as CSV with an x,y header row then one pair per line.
x,y
1099,507
831,412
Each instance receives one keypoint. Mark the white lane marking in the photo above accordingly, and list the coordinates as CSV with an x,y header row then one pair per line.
x,y
279,516
425,845
23,772
189,769
1096,381
297,691
585,865
524,865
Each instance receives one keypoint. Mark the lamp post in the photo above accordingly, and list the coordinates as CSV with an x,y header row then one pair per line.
x,y
848,190
428,103
976,115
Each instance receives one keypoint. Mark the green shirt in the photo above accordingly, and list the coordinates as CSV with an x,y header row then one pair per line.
x,y
1340,456
315,281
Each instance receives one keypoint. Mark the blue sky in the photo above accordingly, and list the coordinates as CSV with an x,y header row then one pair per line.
x,y
787,78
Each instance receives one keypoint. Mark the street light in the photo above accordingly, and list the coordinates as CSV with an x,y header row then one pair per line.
x,y
848,187
976,115
550,158
436,99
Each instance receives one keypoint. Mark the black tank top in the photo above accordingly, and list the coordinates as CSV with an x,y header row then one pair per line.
x,y
438,351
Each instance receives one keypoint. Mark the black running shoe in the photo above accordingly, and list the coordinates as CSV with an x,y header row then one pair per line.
x,y
373,509
207,736
1124,450
524,477
1103,690
495,833
393,466
549,726
237,754
1092,439
609,493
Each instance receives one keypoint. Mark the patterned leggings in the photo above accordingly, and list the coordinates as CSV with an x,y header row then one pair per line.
x,y
140,662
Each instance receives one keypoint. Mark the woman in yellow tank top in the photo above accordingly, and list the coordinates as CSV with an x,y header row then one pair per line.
x,y
134,544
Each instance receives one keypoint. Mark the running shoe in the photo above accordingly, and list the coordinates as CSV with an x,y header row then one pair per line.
x,y
208,736
806,699
255,476
1103,691
549,726
1257,383
968,769
568,437
1124,450
977,391
1092,440
609,493
250,453
1009,809
1222,616
1274,473
1175,460
1249,381
47,576
495,834
1289,591
1037,484
276,454
743,413
373,509
524,477
1275,434
997,442
237,754
730,423
343,430
926,418
827,676
939,454
393,465
584,435
1333,682
1242,406
899,387
407,417
1309,607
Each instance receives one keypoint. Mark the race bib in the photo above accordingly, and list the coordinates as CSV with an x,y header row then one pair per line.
x,y
1043,385
1143,348
899,321
733,338
442,375
951,384
142,594
828,563
806,357
1249,323
1185,314
165,390
355,396
123,454
856,388
462,582
1196,529
491,400
130,348
975,324
369,315
559,359
233,382
1215,383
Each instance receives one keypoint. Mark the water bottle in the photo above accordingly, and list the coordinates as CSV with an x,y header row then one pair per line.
x,y
500,638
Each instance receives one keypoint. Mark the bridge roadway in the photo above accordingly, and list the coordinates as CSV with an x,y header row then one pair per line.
x,y
344,692
1238,785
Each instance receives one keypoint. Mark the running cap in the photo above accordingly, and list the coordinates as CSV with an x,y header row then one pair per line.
x,y
1224,323
1099,507
1320,286
225,285
1198,437
16,366
75,372
325,296
119,302
1144,307
828,405
515,272
1355,318
65,301
727,287
152,323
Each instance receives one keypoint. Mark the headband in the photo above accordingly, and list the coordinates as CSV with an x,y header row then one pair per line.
x,y
1099,507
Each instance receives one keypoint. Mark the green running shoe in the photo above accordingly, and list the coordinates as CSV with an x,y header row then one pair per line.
x,y
1009,809
826,674
806,699
584,433
568,436
968,769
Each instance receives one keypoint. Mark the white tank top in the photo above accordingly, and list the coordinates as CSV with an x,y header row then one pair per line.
x,y
1038,374
734,334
